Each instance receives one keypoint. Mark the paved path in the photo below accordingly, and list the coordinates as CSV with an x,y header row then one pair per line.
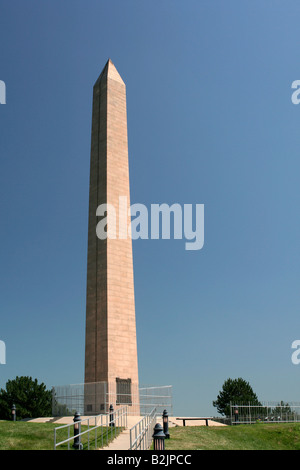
x,y
122,442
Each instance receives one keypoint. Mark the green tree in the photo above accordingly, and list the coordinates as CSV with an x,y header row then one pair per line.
x,y
234,391
32,400
281,410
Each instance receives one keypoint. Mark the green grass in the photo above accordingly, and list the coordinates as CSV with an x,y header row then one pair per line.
x,y
40,436
283,436
22,435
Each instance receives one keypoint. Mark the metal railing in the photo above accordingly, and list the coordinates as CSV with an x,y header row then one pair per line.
x,y
100,429
141,433
267,412
91,399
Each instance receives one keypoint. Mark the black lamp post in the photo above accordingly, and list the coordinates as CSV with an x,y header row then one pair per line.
x,y
14,413
165,418
111,416
77,429
158,437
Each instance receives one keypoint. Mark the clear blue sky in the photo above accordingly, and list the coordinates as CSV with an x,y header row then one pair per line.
x,y
210,121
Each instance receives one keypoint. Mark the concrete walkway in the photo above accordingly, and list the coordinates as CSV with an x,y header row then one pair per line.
x,y
122,442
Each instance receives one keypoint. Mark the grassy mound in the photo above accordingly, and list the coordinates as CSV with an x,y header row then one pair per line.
x,y
283,436
21,435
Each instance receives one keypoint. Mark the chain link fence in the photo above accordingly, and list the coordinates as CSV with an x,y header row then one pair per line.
x,y
96,398
267,412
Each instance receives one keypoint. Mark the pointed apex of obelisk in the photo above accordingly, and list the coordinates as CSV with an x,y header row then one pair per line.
x,y
110,71
113,73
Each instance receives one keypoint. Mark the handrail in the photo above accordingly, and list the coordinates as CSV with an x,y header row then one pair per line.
x,y
141,433
112,421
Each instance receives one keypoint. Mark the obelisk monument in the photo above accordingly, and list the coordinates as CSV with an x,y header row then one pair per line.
x,y
111,345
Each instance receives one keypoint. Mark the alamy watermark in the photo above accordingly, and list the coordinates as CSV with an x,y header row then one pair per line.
x,y
154,224
2,92
296,354
2,353
295,357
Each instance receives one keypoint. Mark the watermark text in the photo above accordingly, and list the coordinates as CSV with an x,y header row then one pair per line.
x,y
162,221
2,92
2,352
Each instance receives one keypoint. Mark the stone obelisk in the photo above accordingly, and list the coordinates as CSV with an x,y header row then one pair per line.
x,y
111,345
